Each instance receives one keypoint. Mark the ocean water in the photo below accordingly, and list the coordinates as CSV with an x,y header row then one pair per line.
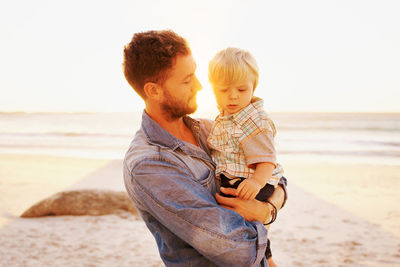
x,y
344,137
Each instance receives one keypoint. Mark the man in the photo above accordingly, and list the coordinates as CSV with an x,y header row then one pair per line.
x,y
168,171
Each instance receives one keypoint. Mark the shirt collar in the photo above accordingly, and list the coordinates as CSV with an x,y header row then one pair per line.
x,y
159,136
256,105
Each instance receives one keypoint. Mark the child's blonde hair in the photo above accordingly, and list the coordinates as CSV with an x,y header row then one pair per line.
x,y
232,65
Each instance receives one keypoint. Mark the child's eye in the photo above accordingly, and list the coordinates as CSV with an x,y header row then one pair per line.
x,y
242,89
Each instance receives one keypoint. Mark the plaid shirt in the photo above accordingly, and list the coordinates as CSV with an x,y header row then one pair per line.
x,y
241,140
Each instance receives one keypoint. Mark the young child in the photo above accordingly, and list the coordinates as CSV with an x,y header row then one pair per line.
x,y
241,139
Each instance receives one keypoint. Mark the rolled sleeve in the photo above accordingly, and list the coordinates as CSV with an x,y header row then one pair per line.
x,y
187,209
283,184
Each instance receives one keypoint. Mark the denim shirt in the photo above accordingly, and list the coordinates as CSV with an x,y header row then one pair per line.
x,y
172,184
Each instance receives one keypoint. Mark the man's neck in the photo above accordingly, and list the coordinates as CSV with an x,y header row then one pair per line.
x,y
175,126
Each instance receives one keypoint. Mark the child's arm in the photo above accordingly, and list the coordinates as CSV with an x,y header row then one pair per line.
x,y
249,188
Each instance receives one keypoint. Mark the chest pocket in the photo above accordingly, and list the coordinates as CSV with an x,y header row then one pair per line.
x,y
209,181
226,141
233,143
203,172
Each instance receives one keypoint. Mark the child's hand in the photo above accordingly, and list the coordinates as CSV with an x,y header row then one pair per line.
x,y
248,189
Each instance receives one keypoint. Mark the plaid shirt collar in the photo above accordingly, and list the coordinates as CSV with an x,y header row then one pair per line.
x,y
256,106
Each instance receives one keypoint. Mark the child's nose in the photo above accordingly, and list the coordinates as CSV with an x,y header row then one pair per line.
x,y
233,94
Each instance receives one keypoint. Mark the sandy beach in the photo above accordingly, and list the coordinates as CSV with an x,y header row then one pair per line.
x,y
336,215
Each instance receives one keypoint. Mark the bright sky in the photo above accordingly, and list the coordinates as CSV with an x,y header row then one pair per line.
x,y
313,55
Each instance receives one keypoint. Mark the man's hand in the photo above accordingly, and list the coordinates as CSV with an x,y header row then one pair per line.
x,y
251,210
248,189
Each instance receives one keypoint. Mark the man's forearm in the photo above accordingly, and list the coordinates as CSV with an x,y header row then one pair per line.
x,y
252,210
278,197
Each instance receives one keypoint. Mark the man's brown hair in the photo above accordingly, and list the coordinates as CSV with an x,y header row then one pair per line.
x,y
149,57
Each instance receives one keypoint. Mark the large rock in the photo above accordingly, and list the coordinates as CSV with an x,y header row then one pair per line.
x,y
82,202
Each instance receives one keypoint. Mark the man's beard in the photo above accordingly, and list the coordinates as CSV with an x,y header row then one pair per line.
x,y
175,108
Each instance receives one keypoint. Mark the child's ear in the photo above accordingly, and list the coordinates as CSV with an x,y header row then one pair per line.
x,y
152,91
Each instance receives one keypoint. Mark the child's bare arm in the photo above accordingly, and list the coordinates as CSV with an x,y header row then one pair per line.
x,y
249,188
263,173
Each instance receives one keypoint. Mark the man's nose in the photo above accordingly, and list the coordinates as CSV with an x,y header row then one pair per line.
x,y
197,85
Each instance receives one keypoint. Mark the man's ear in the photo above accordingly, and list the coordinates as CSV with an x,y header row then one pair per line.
x,y
152,90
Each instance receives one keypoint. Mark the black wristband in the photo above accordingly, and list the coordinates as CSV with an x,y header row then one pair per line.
x,y
274,213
